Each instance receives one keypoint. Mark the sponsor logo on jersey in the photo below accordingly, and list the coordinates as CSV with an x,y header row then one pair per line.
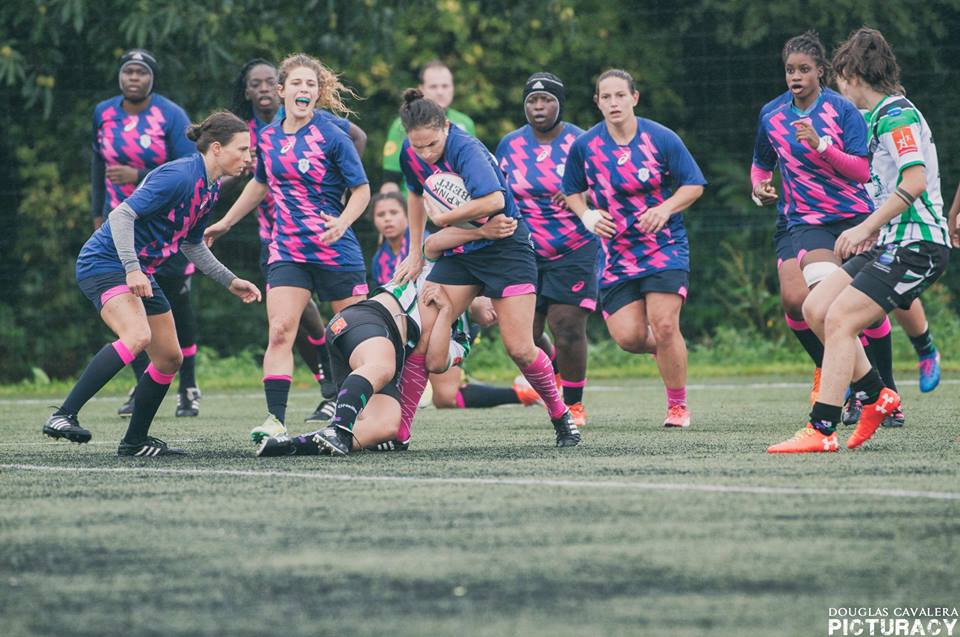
x,y
577,286
903,138
624,158
338,325
389,148
131,124
303,165
145,140
543,154
287,145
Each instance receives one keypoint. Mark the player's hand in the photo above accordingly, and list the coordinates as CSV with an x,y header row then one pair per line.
x,y
559,200
805,133
246,291
599,222
499,227
409,269
122,175
139,284
952,225
434,295
336,227
654,219
764,193
214,232
97,222
853,241
482,312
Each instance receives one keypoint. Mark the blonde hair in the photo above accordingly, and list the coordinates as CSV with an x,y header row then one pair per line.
x,y
332,89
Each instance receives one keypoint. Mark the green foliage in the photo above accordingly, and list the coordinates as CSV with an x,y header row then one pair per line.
x,y
703,68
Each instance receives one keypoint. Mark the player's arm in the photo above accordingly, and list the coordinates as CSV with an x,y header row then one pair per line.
x,y
200,255
98,190
358,136
952,219
499,227
253,193
474,209
438,344
336,227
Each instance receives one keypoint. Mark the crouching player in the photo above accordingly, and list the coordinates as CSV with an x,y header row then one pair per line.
x,y
369,343
911,253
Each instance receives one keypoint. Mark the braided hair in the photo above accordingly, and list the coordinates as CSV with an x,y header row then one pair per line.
x,y
809,43
239,104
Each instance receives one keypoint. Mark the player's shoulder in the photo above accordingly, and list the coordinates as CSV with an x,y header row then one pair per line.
x,y
656,130
112,102
838,101
897,111
461,119
508,139
597,130
776,104
571,129
341,123
166,104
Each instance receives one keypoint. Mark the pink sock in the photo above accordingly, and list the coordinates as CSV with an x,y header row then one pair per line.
x,y
413,380
676,397
539,374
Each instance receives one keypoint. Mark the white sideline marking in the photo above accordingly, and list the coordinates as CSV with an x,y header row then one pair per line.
x,y
654,384
51,443
519,482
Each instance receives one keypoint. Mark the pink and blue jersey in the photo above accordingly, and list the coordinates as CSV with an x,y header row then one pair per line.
x,y
143,141
534,173
814,193
308,172
466,156
385,260
626,181
173,204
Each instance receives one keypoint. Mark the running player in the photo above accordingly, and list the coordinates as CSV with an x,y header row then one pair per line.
x,y
533,159
308,164
115,269
504,270
389,211
436,84
911,252
640,178
133,133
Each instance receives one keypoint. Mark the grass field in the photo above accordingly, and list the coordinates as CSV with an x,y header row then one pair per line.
x,y
482,528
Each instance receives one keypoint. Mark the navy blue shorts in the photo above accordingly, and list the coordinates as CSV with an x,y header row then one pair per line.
x,y
100,288
626,292
808,237
506,267
328,285
570,280
783,241
264,257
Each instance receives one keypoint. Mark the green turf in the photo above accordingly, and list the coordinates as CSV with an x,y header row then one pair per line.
x,y
513,537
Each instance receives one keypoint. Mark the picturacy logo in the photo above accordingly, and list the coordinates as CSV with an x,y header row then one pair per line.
x,y
893,622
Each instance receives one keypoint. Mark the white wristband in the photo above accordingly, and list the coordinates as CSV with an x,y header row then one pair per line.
x,y
590,219
824,142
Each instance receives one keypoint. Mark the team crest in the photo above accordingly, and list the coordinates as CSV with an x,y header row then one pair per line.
x,y
643,174
145,140
543,154
624,158
304,165
560,170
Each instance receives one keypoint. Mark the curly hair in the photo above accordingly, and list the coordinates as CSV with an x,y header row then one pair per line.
x,y
331,89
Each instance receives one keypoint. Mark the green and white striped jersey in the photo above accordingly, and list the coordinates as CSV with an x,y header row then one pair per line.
x,y
899,137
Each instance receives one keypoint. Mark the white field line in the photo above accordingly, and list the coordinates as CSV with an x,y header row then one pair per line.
x,y
653,384
51,443
513,482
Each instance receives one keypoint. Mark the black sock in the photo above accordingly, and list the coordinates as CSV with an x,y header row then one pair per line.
x,y
277,389
572,394
880,352
354,394
487,396
139,365
871,385
811,345
188,369
328,388
824,418
104,366
151,389
923,344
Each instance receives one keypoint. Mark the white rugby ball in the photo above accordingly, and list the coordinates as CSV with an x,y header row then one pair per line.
x,y
442,192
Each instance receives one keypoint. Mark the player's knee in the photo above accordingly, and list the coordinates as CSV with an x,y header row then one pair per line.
x,y
814,312
633,342
792,302
665,328
137,339
568,331
522,354
837,323
282,333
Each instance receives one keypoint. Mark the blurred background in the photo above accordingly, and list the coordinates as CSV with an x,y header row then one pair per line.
x,y
704,68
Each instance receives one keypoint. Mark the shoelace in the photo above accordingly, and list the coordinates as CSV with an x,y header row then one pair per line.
x,y
677,411
926,365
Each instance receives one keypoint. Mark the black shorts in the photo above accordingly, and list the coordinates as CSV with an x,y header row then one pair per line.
x,y
894,275
809,237
327,284
506,267
783,242
570,280
264,258
626,292
100,288
356,324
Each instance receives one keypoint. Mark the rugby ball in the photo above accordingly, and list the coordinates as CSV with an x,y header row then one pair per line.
x,y
443,192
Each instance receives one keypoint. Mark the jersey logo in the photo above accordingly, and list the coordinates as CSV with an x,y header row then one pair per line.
x,y
539,84
287,145
543,155
338,325
145,140
903,138
577,286
560,170
624,158
131,124
304,165
389,148
643,174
